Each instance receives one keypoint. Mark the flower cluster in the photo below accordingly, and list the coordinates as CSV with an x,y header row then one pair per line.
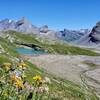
x,y
37,78
17,81
14,83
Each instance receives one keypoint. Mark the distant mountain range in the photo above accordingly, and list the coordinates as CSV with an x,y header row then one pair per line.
x,y
82,36
25,26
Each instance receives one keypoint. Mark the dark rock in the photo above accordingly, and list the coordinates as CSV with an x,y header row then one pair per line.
x,y
44,29
95,33
93,38
71,35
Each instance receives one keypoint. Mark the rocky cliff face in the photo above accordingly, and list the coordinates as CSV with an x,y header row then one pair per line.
x,y
95,34
92,38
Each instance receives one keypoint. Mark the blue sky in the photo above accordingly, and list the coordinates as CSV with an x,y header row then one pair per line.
x,y
57,14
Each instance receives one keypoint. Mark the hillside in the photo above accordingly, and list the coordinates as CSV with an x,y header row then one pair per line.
x,y
46,86
57,47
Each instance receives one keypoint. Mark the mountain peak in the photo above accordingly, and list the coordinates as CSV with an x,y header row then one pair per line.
x,y
6,20
24,20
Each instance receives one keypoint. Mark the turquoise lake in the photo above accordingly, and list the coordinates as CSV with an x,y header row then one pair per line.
x,y
26,51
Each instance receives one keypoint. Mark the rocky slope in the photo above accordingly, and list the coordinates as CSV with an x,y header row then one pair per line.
x,y
93,38
95,34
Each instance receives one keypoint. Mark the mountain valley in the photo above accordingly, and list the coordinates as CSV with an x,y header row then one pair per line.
x,y
70,62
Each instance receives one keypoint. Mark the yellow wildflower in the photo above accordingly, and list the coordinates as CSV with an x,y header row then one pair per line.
x,y
19,83
22,65
37,78
13,77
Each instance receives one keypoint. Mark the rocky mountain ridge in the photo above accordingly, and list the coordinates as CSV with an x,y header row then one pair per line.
x,y
25,26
